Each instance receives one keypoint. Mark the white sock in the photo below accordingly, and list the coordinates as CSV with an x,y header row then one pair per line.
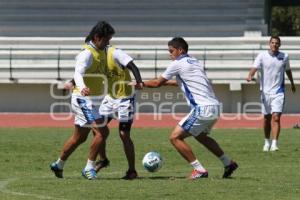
x,y
225,160
197,165
60,163
274,143
267,141
90,164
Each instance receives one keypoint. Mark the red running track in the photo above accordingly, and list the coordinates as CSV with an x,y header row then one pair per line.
x,y
141,120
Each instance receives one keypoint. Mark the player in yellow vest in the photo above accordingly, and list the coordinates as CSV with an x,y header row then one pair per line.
x,y
89,77
119,104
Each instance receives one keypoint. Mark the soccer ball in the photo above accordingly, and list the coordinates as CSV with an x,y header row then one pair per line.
x,y
152,161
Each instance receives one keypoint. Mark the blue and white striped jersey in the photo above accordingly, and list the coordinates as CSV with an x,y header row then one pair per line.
x,y
192,79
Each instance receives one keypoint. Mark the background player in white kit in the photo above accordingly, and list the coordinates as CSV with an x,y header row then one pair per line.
x,y
272,64
191,78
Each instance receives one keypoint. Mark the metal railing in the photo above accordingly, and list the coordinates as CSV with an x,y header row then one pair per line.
x,y
58,63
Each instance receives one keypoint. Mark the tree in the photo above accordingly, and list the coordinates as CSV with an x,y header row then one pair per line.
x,y
285,21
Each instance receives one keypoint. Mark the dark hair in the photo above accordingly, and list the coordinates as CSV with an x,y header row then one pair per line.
x,y
101,29
276,38
179,42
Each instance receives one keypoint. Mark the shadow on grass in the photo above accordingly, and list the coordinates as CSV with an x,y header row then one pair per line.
x,y
146,178
139,178
249,178
162,177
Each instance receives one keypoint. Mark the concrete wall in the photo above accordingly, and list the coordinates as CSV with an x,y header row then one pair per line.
x,y
47,98
27,97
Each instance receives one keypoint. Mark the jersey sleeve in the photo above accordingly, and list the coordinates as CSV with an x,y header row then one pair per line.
x,y
287,63
121,57
258,61
83,61
171,71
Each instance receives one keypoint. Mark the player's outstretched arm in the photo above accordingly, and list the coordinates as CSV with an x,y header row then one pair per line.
x,y
137,75
171,82
154,83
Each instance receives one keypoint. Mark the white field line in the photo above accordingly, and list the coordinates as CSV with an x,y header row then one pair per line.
x,y
3,189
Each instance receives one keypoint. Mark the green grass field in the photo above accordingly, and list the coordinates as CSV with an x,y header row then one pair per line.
x,y
26,155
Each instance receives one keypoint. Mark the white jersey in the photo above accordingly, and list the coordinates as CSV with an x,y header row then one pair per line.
x,y
121,57
192,79
272,69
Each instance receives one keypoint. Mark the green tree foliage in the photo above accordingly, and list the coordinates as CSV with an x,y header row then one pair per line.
x,y
285,21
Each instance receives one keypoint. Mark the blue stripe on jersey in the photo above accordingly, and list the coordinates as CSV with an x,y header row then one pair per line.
x,y
281,89
86,111
188,93
191,119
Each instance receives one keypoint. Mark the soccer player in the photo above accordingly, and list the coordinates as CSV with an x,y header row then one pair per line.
x,y
119,103
272,65
191,78
89,69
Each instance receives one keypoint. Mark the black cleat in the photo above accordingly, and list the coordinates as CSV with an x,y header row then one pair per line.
x,y
130,175
228,170
58,172
101,164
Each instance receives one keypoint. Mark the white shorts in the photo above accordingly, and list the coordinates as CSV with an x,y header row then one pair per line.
x,y
272,103
86,109
121,109
200,120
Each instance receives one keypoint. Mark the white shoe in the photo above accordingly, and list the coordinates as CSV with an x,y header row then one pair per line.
x,y
274,148
266,147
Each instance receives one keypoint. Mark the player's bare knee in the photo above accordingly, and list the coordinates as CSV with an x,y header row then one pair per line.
x,y
125,126
104,131
275,118
268,117
81,139
174,137
125,136
172,140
